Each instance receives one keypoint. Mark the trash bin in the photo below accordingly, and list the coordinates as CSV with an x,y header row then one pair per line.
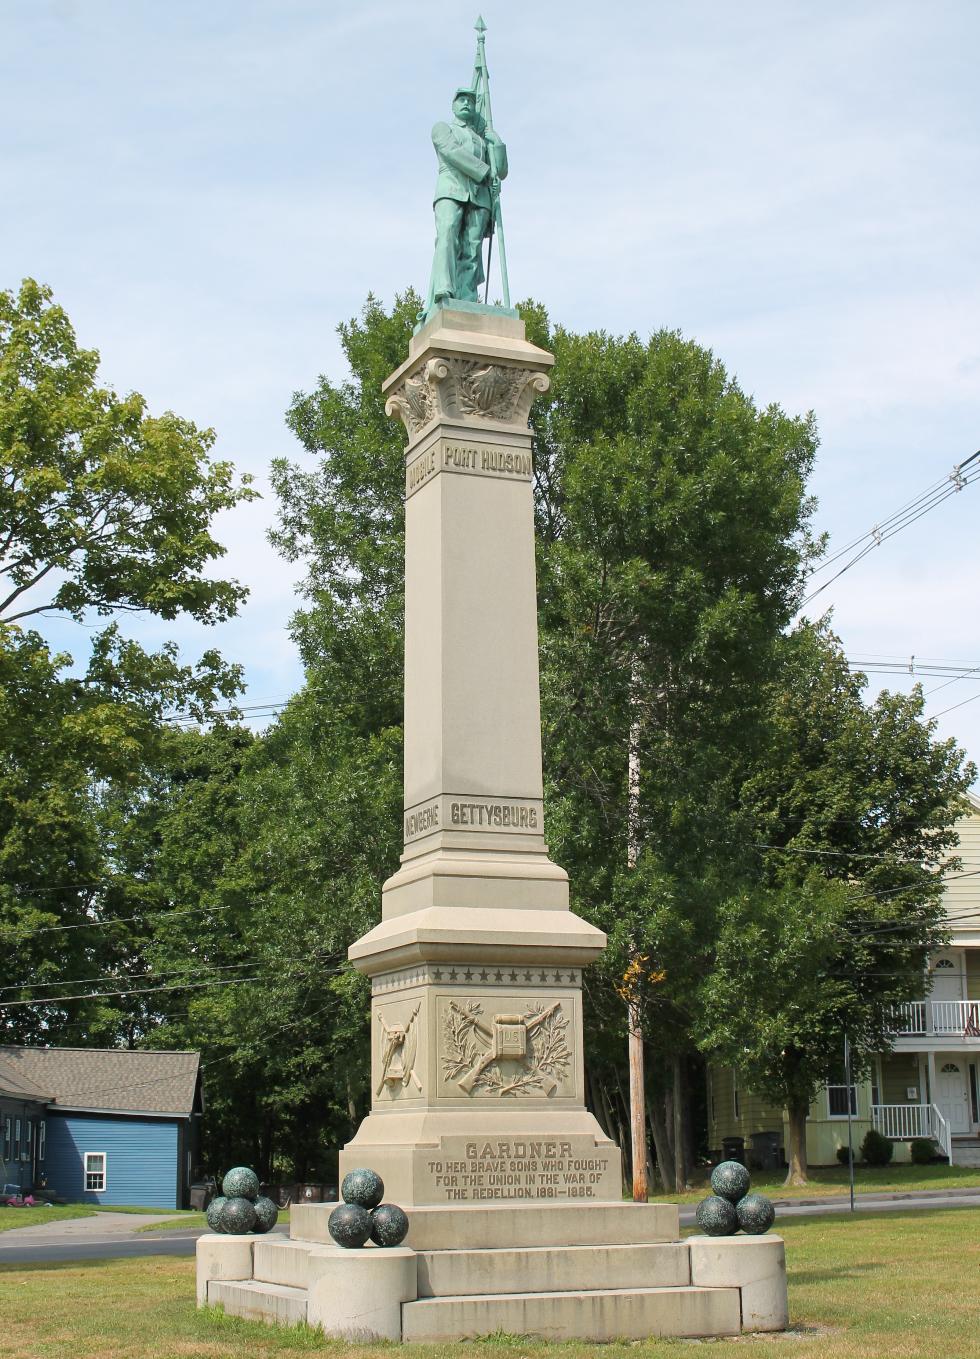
x,y
733,1149
766,1152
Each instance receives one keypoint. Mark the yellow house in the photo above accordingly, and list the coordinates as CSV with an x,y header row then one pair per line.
x,y
927,1086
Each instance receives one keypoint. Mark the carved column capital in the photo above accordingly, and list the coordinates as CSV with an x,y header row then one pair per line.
x,y
464,390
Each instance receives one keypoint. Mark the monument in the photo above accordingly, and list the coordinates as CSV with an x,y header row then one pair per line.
x,y
478,1124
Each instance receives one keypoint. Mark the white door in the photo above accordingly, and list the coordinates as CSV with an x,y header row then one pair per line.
x,y
947,976
952,1096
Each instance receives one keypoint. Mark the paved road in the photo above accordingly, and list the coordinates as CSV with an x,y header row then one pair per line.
x,y
93,1239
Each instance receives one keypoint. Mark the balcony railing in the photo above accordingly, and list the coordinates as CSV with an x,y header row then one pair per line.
x,y
944,1018
905,1121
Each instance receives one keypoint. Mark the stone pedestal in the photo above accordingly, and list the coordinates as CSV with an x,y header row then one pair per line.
x,y
478,1123
477,1073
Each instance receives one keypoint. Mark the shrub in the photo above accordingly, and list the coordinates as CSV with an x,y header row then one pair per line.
x,y
921,1150
876,1149
842,1155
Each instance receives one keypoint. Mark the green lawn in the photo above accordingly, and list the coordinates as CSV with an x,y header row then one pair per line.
x,y
32,1217
833,1180
878,1286
191,1219
11,1218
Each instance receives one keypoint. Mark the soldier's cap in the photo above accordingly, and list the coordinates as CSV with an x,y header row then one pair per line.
x,y
465,89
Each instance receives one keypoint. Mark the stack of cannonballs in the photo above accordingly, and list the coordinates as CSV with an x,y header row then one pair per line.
x,y
363,1217
731,1207
241,1209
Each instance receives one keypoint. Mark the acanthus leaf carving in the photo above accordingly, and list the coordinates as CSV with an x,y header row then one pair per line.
x,y
466,389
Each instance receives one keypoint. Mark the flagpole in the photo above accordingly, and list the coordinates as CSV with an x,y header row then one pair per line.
x,y
496,224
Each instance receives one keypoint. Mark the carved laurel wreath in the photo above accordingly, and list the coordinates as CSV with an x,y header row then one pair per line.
x,y
547,1052
459,388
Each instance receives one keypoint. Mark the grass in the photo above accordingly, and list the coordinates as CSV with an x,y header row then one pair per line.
x,y
137,1208
11,1218
879,1286
826,1180
189,1220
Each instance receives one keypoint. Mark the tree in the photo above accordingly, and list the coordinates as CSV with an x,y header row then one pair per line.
x,y
671,517
849,811
672,543
102,506
104,510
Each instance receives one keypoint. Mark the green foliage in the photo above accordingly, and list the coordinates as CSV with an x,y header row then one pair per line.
x,y
876,1149
851,808
104,509
922,1150
844,1155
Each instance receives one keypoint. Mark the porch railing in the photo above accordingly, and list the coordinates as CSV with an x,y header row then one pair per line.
x,y
910,1017
959,1017
905,1121
946,1018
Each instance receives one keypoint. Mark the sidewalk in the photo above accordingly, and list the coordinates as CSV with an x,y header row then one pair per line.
x,y
107,1226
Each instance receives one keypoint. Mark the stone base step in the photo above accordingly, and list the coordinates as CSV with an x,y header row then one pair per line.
x,y
595,1314
275,1303
455,1226
282,1262
543,1269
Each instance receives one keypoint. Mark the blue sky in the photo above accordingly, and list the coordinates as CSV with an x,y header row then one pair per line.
x,y
211,187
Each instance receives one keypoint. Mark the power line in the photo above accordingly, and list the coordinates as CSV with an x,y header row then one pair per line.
x,y
122,920
159,1080
146,991
102,977
943,711
900,519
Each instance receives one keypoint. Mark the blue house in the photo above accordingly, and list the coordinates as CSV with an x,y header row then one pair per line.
x,y
97,1125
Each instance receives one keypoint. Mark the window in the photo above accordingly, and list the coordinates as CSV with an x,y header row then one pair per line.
x,y
736,1101
42,1129
946,963
7,1129
94,1172
16,1139
950,1069
837,1101
28,1139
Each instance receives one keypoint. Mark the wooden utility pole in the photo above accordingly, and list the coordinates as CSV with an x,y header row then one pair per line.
x,y
638,1104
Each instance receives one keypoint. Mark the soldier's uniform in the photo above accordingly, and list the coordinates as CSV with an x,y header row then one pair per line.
x,y
462,207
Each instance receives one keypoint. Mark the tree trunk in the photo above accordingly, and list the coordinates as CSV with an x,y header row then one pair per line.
x,y
680,1171
665,1158
638,1132
796,1174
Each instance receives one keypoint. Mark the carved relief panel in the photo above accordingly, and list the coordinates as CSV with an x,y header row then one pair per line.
x,y
398,1050
498,1046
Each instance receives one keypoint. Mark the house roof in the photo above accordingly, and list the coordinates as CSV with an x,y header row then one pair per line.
x,y
116,1080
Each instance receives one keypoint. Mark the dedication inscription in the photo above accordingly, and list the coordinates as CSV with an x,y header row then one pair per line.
x,y
491,1169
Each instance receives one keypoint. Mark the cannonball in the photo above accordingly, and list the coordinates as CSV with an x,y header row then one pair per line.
x,y
241,1183
756,1214
349,1225
363,1187
717,1217
266,1215
389,1225
730,1180
213,1213
237,1216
